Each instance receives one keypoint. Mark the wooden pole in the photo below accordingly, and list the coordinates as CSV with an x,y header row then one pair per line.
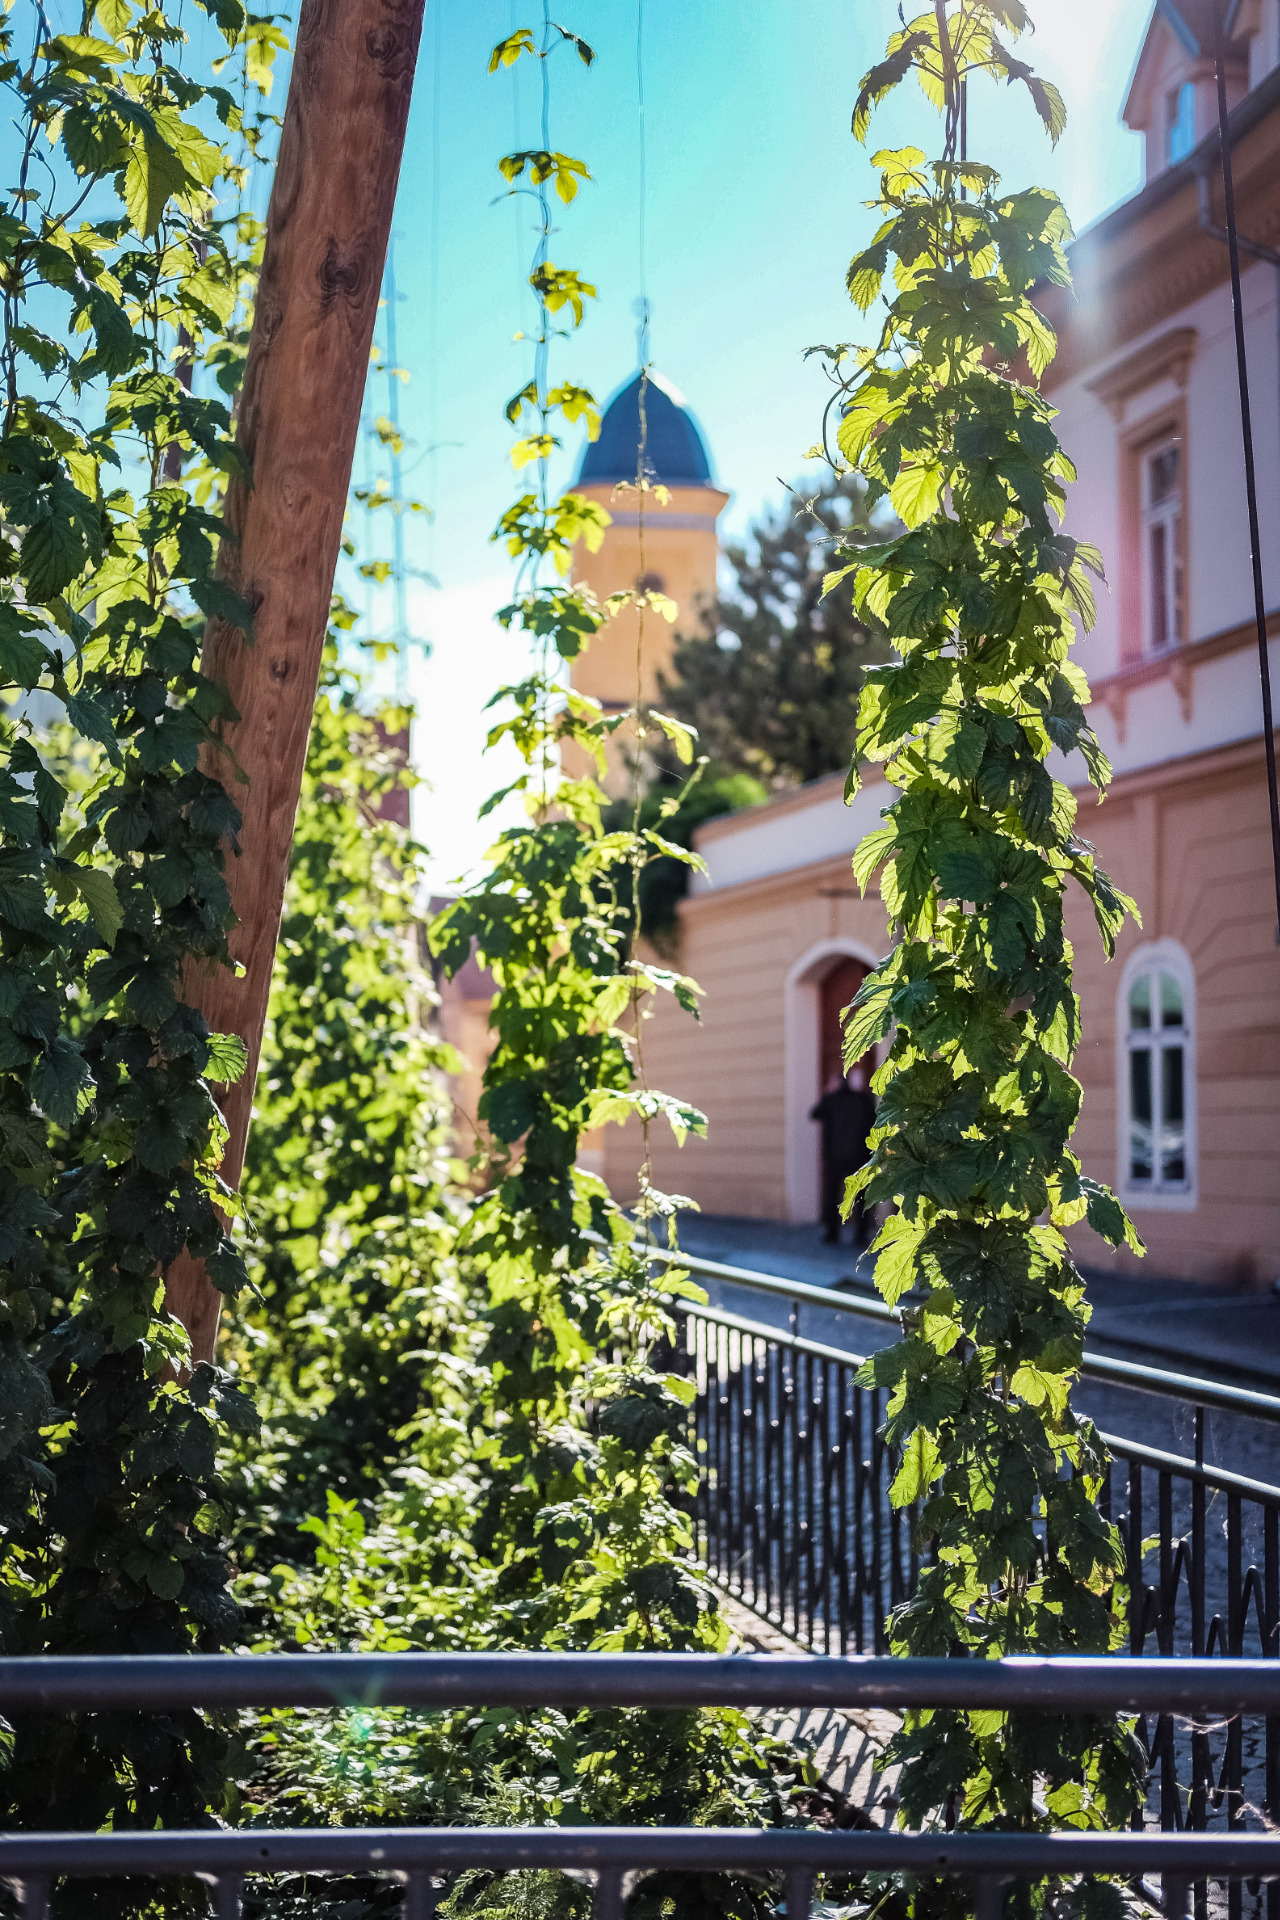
x,y
327,230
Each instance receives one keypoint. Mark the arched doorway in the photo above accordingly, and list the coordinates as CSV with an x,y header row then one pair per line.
x,y
836,989
818,988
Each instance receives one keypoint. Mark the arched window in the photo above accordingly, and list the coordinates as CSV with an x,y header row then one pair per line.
x,y
1157,1078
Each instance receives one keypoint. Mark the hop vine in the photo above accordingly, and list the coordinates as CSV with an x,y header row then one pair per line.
x,y
111,880
980,598
585,1446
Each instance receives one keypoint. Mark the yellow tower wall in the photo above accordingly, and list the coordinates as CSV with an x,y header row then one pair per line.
x,y
679,560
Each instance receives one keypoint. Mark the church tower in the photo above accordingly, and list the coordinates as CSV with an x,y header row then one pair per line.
x,y
680,544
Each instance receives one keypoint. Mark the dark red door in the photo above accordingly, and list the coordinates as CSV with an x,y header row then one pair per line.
x,y
835,991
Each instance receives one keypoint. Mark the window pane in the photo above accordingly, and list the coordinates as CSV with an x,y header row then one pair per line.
x,y
1180,120
1173,1152
1170,1001
1140,1003
1158,583
1162,476
1171,1090
1140,1155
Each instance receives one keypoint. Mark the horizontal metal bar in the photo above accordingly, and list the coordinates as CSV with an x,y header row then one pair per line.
x,y
1182,1386
776,1336
777,1285
652,1849
86,1683
1177,1463
1095,1366
1180,1464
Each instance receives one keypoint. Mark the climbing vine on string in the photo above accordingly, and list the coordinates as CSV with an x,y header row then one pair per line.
x,y
587,1448
980,597
117,273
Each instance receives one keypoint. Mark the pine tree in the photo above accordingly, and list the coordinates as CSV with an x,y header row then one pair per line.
x,y
772,683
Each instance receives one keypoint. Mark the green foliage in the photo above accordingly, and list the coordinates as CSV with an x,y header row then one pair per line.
x,y
772,684
664,880
579,1430
346,1179
583,1432
979,597
111,885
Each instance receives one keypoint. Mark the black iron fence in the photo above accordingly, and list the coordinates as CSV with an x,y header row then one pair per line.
x,y
788,1861
793,1518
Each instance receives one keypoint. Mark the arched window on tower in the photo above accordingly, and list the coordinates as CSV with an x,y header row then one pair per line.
x,y
1156,1073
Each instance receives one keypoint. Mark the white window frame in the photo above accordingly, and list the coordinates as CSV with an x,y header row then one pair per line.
x,y
1167,514
1156,957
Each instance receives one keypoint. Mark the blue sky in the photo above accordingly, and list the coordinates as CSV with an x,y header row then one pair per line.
x,y
754,206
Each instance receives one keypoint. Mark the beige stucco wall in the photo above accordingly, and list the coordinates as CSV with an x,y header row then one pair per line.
x,y
744,945
1189,841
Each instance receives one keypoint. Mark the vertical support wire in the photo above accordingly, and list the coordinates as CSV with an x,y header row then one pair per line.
x,y
1246,431
988,1897
878,1494
842,1439
1235,1727
1173,1891
1271,1651
759,1435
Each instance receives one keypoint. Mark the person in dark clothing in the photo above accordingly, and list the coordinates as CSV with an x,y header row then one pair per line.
x,y
847,1114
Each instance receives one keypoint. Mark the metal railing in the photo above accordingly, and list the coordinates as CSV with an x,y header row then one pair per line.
x,y
425,1859
793,1519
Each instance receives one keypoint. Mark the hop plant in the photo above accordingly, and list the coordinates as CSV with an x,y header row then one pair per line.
x,y
979,598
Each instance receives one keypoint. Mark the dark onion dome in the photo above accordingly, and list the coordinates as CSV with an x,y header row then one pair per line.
x,y
674,452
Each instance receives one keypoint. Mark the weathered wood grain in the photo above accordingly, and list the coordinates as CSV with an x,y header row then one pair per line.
x,y
327,229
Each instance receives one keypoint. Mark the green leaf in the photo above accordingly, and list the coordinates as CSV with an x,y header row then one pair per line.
x,y
921,1466
53,553
227,1057
98,891
61,1084
882,79
153,174
91,719
165,1578
24,654
916,492
1107,1217
113,16
897,1248
22,901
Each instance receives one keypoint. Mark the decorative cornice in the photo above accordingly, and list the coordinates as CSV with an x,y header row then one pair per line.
x,y
658,521
1210,767
1151,258
816,879
1177,665
1168,358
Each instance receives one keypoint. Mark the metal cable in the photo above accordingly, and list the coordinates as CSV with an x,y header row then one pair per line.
x,y
1246,426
